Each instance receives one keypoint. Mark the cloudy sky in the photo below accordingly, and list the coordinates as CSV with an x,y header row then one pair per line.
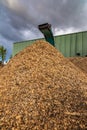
x,y
19,18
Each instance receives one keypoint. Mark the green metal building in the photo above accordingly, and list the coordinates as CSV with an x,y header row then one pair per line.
x,y
74,44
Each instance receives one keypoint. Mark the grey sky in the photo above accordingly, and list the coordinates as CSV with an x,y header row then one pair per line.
x,y
19,18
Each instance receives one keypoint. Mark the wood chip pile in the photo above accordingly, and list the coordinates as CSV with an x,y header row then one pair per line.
x,y
42,90
80,62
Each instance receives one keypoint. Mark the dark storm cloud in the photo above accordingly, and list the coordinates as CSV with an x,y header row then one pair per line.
x,y
20,15
6,29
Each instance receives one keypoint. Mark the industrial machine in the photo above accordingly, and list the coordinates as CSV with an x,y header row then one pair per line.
x,y
47,32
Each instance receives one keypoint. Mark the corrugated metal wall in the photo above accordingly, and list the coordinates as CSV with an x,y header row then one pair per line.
x,y
84,45
69,45
72,44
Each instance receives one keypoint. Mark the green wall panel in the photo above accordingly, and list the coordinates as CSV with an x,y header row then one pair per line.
x,y
73,45
84,43
58,42
62,45
67,49
79,43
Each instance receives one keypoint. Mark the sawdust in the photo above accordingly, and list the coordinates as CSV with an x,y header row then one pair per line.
x,y
42,90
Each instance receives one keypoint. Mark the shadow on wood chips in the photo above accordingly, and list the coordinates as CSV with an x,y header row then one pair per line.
x,y
42,90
